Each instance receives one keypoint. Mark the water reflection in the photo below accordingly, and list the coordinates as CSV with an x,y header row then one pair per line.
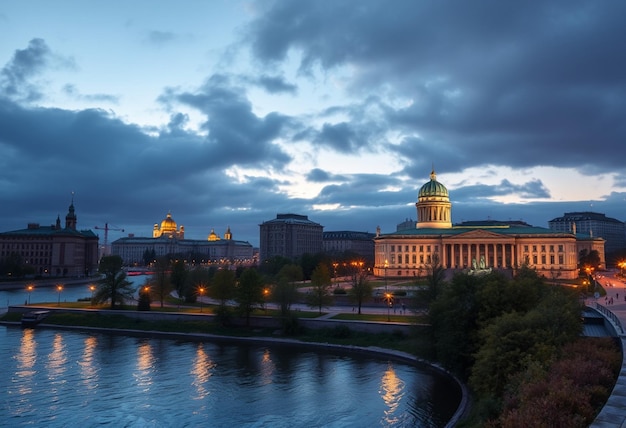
x,y
201,371
145,366
89,372
81,379
391,391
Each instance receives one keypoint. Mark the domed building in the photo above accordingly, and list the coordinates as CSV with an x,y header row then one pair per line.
x,y
169,239
476,246
168,227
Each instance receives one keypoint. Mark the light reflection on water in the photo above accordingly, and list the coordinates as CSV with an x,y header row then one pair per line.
x,y
77,379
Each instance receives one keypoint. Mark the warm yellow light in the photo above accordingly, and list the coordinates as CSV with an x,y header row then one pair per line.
x,y
59,287
30,288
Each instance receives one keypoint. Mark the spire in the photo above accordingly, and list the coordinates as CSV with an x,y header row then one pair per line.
x,y
70,218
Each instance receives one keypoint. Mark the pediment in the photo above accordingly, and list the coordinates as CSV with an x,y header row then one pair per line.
x,y
479,234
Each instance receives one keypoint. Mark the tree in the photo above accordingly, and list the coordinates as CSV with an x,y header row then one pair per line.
x,y
361,289
321,283
160,283
435,276
178,275
114,287
285,292
223,286
249,292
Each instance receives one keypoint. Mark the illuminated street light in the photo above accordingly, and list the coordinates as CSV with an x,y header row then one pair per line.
x,y
388,299
59,289
29,288
93,289
201,291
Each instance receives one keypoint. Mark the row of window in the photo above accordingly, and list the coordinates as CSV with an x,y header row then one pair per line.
x,y
414,248
21,246
543,248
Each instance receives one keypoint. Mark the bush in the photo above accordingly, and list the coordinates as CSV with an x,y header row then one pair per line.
x,y
339,291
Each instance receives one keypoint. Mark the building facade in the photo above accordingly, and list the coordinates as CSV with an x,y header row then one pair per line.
x,y
594,224
170,241
53,251
290,236
474,246
361,244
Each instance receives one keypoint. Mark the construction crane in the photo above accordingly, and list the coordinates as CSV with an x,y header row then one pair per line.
x,y
106,229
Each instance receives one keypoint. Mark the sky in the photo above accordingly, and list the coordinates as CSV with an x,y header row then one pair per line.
x,y
227,113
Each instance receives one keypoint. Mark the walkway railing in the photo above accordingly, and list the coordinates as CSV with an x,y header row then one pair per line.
x,y
611,316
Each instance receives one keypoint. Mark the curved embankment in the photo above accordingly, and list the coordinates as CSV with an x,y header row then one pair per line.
x,y
399,356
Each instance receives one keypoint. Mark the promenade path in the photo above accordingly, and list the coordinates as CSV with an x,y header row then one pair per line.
x,y
613,414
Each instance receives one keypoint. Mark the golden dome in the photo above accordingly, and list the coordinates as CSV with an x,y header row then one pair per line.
x,y
168,224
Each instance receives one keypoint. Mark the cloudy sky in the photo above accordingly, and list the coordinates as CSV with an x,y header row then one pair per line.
x,y
225,113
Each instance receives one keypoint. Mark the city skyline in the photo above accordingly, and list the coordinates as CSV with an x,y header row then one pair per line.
x,y
226,114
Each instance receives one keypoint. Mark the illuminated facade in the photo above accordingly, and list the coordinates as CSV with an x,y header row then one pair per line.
x,y
476,246
53,250
168,227
214,249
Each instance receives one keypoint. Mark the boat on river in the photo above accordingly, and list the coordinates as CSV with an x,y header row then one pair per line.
x,y
31,319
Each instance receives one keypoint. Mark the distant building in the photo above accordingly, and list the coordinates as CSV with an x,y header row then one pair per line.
x,y
53,250
291,236
594,224
476,247
408,223
338,243
168,239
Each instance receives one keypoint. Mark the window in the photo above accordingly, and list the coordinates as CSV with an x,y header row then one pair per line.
x,y
534,248
551,259
552,248
414,259
393,248
560,248
399,248
543,259
525,248
414,247
535,259
406,248
543,248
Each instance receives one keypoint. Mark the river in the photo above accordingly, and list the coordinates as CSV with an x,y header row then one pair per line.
x,y
68,378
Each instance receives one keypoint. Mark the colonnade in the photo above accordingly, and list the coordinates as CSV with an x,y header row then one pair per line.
x,y
461,255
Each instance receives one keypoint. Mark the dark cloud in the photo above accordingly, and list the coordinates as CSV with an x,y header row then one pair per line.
x,y
450,84
25,64
275,84
238,136
518,85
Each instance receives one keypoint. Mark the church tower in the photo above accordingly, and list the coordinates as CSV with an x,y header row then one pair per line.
x,y
70,218
433,205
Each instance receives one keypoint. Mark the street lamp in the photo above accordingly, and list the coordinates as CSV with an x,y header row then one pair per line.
x,y
59,289
93,289
386,266
266,293
29,288
201,291
388,299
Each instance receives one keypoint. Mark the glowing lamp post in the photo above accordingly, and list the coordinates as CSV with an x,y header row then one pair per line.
x,y
59,289
388,299
201,291
93,289
266,293
30,289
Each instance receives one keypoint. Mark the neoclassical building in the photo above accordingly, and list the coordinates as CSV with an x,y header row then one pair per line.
x,y
472,246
